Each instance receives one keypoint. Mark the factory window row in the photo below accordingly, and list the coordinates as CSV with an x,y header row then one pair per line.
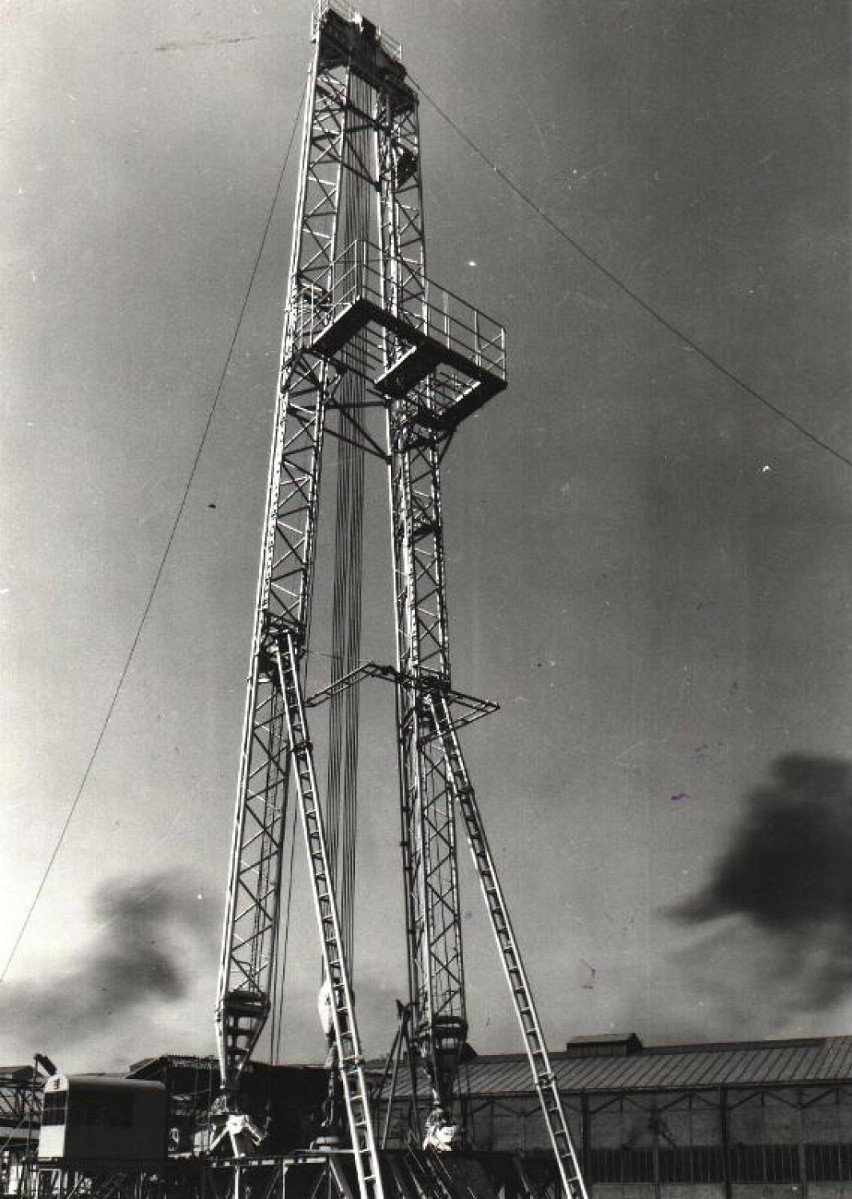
x,y
827,1163
706,1164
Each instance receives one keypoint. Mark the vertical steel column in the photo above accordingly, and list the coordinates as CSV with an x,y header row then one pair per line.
x,y
725,1142
285,583
276,742
436,973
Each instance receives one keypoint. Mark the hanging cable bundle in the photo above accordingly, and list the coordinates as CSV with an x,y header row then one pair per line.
x,y
349,522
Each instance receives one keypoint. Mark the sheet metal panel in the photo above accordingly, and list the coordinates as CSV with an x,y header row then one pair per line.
x,y
838,1055
766,1063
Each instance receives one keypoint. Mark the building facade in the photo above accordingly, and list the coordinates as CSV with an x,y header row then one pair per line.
x,y
753,1120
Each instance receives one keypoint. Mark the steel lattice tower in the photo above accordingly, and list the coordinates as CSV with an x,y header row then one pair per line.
x,y
361,306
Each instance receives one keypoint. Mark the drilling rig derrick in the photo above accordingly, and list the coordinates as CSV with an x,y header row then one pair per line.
x,y
366,328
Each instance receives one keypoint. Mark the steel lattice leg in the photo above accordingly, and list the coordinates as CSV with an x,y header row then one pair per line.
x,y
284,593
545,1080
350,1059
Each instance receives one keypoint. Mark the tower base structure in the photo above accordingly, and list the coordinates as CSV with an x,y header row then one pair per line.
x,y
312,1174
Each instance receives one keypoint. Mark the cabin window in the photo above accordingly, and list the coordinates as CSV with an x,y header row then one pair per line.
x,y
54,1108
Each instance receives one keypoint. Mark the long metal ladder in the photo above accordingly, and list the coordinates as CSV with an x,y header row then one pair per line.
x,y
351,1061
545,1080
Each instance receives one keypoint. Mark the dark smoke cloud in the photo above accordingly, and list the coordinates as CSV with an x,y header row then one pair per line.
x,y
788,871
138,957
136,961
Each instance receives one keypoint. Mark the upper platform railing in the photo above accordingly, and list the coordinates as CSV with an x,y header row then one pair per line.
x,y
456,333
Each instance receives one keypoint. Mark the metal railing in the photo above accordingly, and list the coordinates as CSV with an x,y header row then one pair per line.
x,y
429,311
390,45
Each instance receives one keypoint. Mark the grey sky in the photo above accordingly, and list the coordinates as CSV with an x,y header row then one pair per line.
x,y
648,571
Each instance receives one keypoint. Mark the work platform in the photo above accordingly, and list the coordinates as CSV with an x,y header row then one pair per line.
x,y
406,1174
426,344
311,1174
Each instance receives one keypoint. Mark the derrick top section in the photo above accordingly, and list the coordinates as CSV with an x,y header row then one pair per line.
x,y
343,33
365,305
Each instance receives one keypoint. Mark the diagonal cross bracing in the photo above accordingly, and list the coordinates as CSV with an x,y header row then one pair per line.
x,y
360,304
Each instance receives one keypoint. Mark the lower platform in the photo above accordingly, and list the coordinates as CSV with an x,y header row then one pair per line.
x,y
312,1174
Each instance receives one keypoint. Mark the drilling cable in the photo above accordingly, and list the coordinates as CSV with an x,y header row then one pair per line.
x,y
162,563
280,964
342,780
282,968
647,307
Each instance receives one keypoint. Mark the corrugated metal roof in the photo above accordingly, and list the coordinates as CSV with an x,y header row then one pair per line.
x,y
16,1071
671,1067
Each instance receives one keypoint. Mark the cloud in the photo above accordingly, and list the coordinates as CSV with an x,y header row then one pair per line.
x,y
783,888
140,958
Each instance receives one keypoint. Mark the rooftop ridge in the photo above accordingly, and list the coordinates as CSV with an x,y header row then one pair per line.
x,y
715,1046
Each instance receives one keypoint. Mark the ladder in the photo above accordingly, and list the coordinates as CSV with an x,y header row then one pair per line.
x,y
543,1076
350,1059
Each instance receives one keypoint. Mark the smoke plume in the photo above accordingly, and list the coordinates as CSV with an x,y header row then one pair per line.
x,y
141,956
787,875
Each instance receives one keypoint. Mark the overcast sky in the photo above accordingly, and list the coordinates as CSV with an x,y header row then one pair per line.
x,y
648,570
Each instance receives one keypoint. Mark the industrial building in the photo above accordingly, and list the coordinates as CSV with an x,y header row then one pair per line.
x,y
285,1101
756,1117
732,1121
